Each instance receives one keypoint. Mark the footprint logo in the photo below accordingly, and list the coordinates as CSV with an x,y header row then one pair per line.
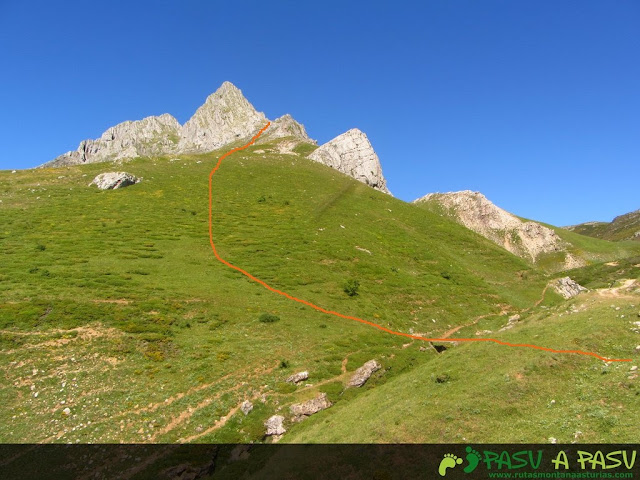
x,y
473,457
449,461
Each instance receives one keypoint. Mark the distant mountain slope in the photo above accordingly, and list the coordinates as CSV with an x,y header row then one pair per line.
x,y
548,246
623,227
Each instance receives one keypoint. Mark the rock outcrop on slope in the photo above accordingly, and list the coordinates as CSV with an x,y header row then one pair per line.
x,y
476,212
567,287
300,411
226,117
286,126
363,373
351,153
113,180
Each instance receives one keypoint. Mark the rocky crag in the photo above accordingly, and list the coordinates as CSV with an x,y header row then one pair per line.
x,y
526,239
351,153
226,117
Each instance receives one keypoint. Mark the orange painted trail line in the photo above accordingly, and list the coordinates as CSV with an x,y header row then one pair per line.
x,y
331,312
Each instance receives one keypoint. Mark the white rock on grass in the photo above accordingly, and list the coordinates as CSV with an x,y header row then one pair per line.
x,y
113,180
274,425
298,377
363,373
303,410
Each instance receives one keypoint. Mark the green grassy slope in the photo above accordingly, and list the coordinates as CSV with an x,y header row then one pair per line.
x,y
623,227
492,393
112,304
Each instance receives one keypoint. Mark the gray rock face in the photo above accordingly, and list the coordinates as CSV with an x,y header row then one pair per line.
x,y
274,425
302,410
351,153
113,180
150,136
225,117
568,288
363,373
476,212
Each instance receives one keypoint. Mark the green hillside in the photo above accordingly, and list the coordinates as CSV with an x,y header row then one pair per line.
x,y
623,227
112,305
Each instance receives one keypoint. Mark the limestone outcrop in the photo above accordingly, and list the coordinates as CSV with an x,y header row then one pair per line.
x,y
523,238
352,154
567,287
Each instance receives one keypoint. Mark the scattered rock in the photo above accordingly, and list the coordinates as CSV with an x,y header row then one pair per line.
x,y
634,368
67,411
113,180
514,318
302,410
298,377
246,407
567,287
553,440
363,373
274,425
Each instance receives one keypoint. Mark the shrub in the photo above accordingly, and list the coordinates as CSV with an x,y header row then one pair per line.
x,y
268,318
284,364
351,287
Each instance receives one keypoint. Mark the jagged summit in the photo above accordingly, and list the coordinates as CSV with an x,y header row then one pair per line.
x,y
352,153
225,117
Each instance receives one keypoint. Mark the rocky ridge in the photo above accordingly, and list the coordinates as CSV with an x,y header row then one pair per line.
x,y
351,153
523,238
224,118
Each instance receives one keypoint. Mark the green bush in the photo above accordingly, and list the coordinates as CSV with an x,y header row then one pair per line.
x,y
351,287
268,318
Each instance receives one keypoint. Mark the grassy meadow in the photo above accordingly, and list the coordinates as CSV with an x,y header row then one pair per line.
x,y
113,306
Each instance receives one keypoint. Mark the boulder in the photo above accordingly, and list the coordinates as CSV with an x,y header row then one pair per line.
x,y
246,407
303,410
298,377
274,425
112,180
363,373
567,287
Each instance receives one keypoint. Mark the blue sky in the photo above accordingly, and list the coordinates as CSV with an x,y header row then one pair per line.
x,y
534,103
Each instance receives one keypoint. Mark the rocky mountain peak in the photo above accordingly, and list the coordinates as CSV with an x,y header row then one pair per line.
x,y
225,117
351,153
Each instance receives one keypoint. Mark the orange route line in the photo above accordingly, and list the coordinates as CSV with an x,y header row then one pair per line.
x,y
331,312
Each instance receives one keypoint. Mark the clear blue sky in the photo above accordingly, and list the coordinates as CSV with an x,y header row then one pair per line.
x,y
534,103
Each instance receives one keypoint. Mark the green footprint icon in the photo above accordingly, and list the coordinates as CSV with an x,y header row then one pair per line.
x,y
449,461
473,457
